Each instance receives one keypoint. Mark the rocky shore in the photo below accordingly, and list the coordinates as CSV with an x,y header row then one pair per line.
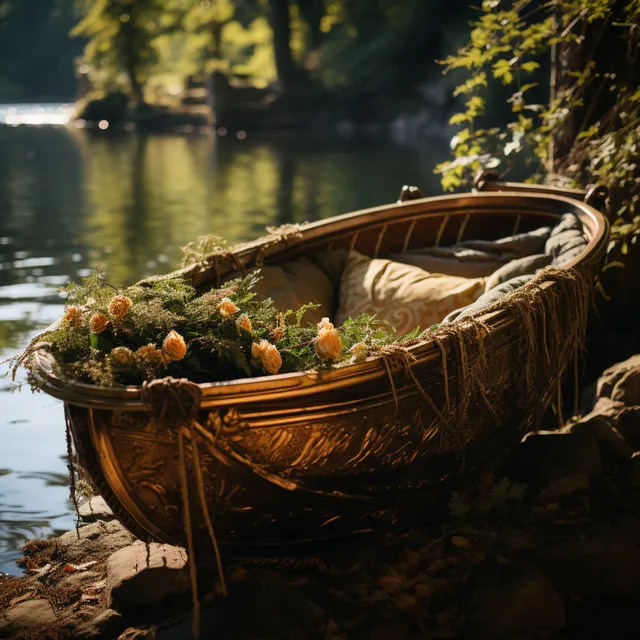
x,y
548,548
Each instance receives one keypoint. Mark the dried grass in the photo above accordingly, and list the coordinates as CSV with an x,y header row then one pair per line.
x,y
38,553
550,316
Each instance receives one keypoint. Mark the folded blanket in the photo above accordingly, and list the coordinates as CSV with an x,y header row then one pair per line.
x,y
476,258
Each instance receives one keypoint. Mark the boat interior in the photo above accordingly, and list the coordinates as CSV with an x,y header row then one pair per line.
x,y
422,286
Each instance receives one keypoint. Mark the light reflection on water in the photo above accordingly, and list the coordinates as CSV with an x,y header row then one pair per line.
x,y
70,200
43,114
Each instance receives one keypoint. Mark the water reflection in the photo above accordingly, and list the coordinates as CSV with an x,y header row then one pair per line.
x,y
70,200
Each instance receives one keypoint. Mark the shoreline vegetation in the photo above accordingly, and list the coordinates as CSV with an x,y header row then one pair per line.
x,y
240,65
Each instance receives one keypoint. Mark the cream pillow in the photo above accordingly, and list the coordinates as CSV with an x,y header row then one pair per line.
x,y
293,284
403,295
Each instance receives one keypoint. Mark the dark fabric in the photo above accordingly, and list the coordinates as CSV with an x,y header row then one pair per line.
x,y
566,241
517,246
475,258
489,298
332,263
519,267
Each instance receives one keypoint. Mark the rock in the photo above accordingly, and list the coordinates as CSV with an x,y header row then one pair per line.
x,y
96,540
554,463
28,614
592,560
506,600
628,424
103,627
613,447
140,581
94,509
612,376
627,388
562,487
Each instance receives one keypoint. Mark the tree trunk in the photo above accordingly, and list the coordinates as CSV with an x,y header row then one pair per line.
x,y
131,58
281,26
132,71
312,12
216,39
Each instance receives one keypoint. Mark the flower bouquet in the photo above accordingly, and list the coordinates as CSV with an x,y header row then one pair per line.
x,y
112,337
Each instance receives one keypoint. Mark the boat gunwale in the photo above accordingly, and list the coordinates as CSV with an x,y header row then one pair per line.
x,y
301,383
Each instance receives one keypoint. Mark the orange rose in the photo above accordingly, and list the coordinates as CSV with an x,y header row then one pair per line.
x,y
271,359
256,349
324,324
72,315
328,344
267,355
227,308
119,306
243,323
174,347
98,323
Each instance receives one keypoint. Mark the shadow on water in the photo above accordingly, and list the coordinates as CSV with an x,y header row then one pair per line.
x,y
70,200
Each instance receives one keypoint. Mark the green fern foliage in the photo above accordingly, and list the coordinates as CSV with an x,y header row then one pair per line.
x,y
164,327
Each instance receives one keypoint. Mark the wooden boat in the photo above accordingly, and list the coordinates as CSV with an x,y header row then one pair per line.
x,y
286,458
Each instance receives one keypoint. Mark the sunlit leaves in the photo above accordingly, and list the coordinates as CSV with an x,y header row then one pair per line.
x,y
588,133
502,69
122,35
472,83
503,47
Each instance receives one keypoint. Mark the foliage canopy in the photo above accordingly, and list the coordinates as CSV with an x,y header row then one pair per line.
x,y
570,70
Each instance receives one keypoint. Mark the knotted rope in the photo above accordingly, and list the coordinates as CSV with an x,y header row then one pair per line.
x,y
176,403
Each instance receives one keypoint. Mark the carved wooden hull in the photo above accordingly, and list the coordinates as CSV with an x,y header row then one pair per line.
x,y
292,457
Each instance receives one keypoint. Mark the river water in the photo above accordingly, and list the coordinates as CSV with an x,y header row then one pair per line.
x,y
71,199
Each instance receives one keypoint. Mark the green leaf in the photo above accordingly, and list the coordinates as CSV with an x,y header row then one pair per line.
x,y
458,118
589,133
502,69
102,342
530,66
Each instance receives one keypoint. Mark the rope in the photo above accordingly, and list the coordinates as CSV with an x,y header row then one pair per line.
x,y
445,374
73,494
205,511
387,365
395,354
193,572
175,403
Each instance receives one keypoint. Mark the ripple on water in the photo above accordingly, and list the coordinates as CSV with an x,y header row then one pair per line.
x,y
28,290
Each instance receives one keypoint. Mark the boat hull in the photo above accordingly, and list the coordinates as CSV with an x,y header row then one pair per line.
x,y
288,458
